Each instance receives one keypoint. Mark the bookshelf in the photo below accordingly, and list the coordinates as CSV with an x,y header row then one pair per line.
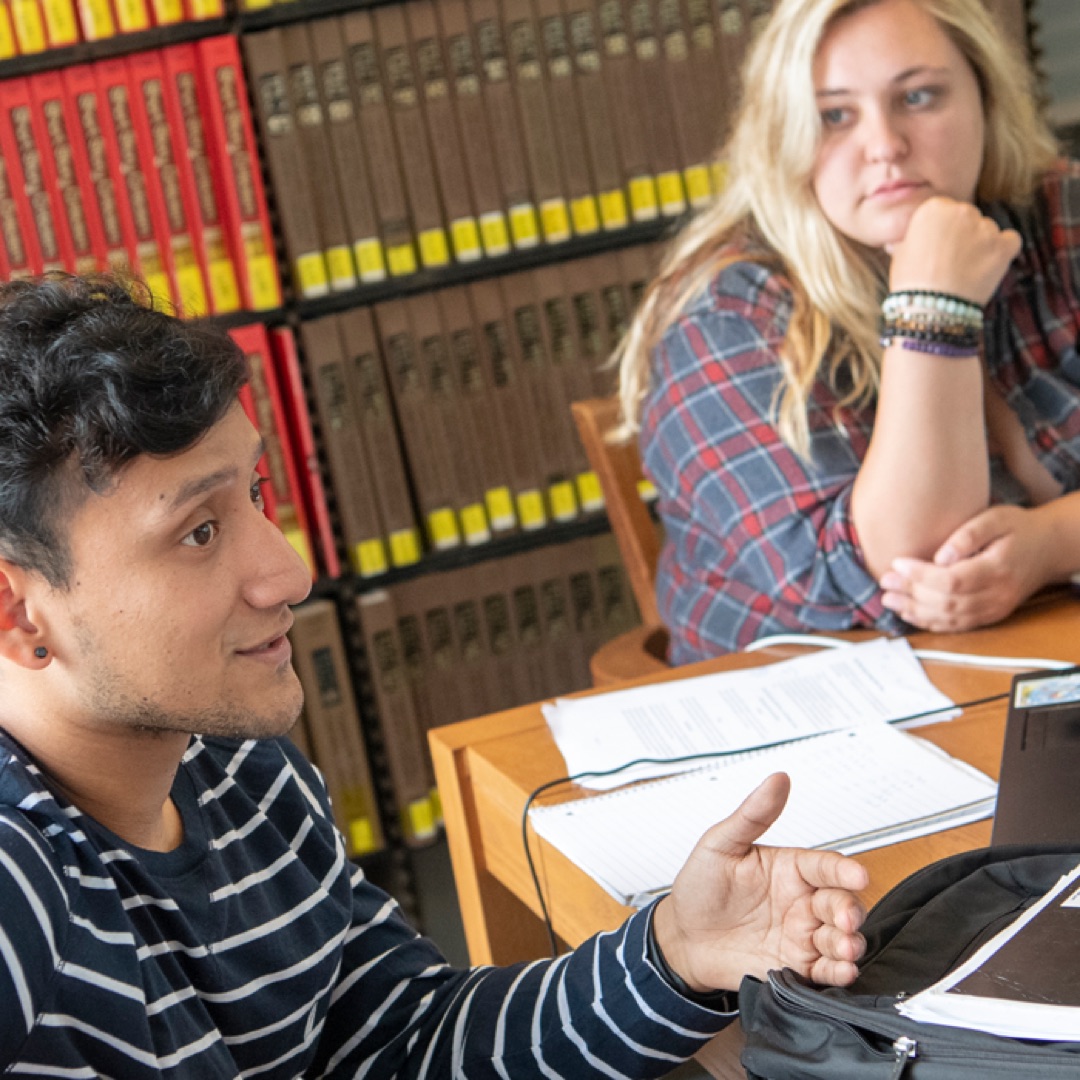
x,y
426,222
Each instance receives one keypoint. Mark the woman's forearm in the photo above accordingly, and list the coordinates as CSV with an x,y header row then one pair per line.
x,y
926,471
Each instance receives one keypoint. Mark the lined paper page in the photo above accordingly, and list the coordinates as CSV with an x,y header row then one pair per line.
x,y
850,790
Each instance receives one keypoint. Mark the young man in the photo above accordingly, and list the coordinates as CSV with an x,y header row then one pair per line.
x,y
174,900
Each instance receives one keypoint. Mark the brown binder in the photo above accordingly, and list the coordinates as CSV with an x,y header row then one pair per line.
x,y
402,737
403,94
566,664
267,68
529,76
382,439
373,113
597,112
455,449
732,38
333,725
314,141
546,393
581,188
412,404
477,144
707,61
351,166
628,108
442,128
590,320
658,108
479,420
476,674
505,125
351,469
502,373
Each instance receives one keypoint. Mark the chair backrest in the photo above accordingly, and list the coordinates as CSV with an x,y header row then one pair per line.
x,y
618,467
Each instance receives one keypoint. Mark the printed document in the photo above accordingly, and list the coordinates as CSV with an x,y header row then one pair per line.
x,y
864,683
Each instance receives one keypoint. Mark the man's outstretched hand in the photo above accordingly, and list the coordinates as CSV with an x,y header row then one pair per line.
x,y
738,909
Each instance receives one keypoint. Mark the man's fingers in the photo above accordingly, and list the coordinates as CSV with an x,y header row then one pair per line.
x,y
735,835
834,944
832,874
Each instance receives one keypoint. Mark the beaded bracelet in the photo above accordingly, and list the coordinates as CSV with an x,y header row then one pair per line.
x,y
928,300
932,322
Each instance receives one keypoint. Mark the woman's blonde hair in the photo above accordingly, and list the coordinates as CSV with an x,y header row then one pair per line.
x,y
768,211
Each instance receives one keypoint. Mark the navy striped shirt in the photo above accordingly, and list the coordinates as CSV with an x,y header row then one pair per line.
x,y
256,949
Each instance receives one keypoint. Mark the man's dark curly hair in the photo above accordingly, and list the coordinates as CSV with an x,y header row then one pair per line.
x,y
91,377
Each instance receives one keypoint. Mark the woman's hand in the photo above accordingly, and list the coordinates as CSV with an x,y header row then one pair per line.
x,y
952,247
982,572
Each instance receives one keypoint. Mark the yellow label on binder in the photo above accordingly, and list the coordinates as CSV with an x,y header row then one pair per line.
x,y
132,15
263,282
474,524
555,220
698,185
29,26
339,263
192,289
361,836
589,491
311,277
419,819
500,508
299,542
97,19
669,187
369,558
465,236
643,204
207,9
647,490
584,215
443,528
523,225
61,27
370,260
613,209
494,233
401,259
256,5
157,281
436,805
719,176
8,48
434,250
224,288
404,547
564,505
530,507
167,12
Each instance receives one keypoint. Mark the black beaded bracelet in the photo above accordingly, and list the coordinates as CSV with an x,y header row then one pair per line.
x,y
724,1001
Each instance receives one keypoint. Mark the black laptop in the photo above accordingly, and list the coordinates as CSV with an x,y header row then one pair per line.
x,y
1039,790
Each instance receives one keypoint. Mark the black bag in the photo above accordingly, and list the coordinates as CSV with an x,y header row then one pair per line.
x,y
915,935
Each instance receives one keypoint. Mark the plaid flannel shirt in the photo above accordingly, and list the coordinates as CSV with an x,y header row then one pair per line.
x,y
758,540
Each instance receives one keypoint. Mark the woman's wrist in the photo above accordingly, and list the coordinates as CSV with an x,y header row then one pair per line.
x,y
932,322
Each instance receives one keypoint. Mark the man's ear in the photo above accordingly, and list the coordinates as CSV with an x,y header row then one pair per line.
x,y
19,635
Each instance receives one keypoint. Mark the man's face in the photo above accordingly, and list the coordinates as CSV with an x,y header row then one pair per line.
x,y
178,603
902,120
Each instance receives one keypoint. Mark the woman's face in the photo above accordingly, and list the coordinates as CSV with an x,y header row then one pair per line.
x,y
902,120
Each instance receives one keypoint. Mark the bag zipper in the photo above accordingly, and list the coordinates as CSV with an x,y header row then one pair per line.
x,y
906,1050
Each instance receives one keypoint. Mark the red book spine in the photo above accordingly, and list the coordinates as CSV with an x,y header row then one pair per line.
x,y
22,162
233,138
298,418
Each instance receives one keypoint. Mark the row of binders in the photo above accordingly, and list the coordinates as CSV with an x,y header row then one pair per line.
x,y
32,26
486,637
444,418
416,134
148,163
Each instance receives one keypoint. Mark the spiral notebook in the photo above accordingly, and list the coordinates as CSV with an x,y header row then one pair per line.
x,y
851,790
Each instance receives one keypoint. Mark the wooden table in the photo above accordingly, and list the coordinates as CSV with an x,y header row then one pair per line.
x,y
486,769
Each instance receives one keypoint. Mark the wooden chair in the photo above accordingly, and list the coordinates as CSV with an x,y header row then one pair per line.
x,y
643,650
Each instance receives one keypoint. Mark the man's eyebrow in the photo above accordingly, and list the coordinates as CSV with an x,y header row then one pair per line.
x,y
200,485
907,73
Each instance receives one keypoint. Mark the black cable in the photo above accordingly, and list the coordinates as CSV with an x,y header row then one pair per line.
x,y
545,914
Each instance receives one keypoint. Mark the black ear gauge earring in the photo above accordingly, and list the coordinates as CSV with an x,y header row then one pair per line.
x,y
41,652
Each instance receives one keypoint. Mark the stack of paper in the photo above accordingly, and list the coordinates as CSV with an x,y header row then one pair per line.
x,y
850,790
735,710
1024,983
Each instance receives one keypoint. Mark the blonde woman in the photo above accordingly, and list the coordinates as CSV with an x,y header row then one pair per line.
x,y
855,379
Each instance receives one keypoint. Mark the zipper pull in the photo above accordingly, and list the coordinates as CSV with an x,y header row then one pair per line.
x,y
905,1050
